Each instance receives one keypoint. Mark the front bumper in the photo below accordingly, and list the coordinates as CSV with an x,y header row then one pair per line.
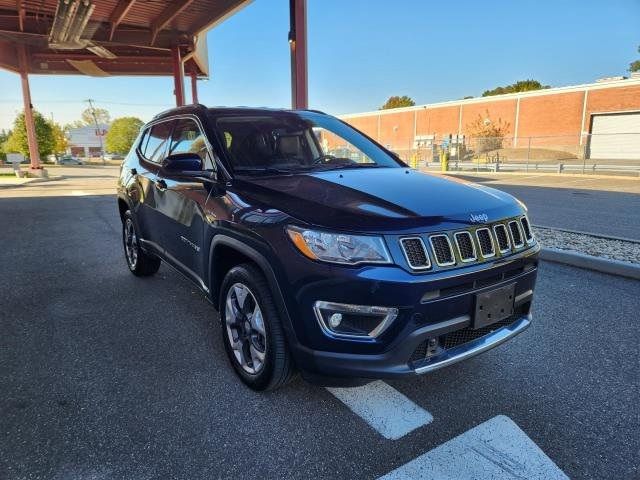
x,y
399,351
394,363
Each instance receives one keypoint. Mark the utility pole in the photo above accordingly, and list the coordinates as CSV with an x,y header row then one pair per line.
x,y
95,121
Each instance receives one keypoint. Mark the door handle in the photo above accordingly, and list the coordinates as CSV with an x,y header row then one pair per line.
x,y
134,171
161,185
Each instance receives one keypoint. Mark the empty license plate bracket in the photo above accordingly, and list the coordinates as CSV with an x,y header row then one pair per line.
x,y
494,306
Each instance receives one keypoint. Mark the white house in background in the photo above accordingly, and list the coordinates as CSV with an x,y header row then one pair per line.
x,y
87,141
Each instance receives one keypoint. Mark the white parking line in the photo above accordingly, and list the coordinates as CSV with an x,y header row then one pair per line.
x,y
496,450
384,408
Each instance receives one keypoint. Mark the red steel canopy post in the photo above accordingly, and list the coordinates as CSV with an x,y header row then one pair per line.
x,y
34,155
178,76
194,87
298,45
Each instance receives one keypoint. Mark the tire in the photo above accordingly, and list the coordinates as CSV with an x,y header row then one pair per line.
x,y
139,262
276,367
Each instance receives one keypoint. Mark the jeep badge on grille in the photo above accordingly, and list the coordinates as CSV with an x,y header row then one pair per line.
x,y
479,218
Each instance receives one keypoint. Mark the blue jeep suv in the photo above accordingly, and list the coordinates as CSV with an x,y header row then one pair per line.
x,y
321,250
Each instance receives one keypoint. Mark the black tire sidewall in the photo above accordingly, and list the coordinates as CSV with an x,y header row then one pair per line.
x,y
254,280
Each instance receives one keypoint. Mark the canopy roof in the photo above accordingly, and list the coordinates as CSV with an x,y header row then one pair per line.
x,y
109,37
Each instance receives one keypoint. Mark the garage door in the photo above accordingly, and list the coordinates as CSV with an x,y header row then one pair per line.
x,y
615,136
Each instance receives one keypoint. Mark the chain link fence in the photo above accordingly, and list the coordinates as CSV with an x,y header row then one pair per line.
x,y
616,153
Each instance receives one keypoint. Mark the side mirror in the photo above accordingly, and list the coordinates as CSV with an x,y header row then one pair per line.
x,y
182,162
188,167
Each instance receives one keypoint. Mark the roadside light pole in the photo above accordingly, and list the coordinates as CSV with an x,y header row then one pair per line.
x,y
98,133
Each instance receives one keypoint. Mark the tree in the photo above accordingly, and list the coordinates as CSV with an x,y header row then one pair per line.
x,y
398,102
122,134
60,141
74,124
4,136
488,133
519,86
18,143
102,116
635,66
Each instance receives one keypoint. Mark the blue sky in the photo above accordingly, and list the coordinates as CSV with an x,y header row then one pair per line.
x,y
363,51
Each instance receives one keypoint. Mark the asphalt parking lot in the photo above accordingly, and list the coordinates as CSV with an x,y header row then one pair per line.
x,y
596,204
105,375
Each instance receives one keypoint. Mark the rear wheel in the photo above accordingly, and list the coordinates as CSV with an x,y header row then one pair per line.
x,y
139,262
251,330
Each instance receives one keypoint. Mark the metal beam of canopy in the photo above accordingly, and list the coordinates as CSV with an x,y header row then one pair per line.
x,y
107,38
298,46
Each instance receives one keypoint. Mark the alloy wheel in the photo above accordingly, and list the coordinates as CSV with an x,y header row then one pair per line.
x,y
130,243
245,328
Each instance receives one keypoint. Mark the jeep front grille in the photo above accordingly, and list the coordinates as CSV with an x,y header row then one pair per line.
x,y
502,238
516,235
415,253
442,250
469,246
466,248
485,240
526,229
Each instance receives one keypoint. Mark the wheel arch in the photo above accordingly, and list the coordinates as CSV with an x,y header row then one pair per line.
x,y
123,206
243,253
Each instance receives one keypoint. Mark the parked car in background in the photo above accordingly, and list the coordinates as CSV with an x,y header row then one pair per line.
x,y
69,160
113,156
345,267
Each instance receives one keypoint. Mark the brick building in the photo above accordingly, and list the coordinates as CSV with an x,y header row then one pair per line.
x,y
600,119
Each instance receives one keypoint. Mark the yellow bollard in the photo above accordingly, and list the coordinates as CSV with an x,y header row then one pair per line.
x,y
444,161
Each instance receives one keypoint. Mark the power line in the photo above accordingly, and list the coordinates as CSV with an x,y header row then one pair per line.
x,y
105,102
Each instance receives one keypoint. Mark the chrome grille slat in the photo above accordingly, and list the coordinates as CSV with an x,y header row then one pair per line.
x,y
516,234
485,241
466,247
415,252
443,253
526,228
502,237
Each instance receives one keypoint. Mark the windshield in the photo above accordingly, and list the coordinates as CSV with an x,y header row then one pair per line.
x,y
283,142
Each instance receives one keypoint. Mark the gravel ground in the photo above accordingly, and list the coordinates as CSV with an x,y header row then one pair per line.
x,y
590,245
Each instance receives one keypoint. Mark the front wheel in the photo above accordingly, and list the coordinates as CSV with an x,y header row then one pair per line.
x,y
140,263
251,330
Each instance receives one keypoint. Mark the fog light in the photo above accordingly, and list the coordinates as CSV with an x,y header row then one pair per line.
x,y
353,321
335,319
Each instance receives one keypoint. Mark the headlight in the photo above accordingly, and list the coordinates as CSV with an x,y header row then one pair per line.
x,y
339,247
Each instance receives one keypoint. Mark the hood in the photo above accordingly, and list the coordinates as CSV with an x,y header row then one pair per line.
x,y
380,199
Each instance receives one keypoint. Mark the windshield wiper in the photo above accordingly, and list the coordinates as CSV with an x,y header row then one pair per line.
x,y
349,165
254,170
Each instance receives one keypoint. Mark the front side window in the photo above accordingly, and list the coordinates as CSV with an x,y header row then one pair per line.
x,y
296,142
188,138
155,141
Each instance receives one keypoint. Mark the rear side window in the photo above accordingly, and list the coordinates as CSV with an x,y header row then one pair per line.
x,y
188,138
155,141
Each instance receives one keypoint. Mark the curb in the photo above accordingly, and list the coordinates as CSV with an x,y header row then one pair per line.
x,y
29,181
598,264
